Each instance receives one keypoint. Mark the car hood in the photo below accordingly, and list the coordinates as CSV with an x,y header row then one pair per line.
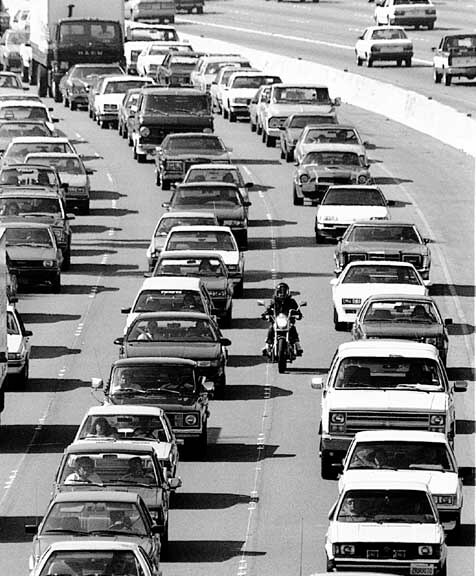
x,y
198,157
374,532
73,179
383,247
221,212
292,108
14,342
348,214
194,351
218,283
110,98
293,133
401,330
417,401
241,92
31,253
337,170
365,290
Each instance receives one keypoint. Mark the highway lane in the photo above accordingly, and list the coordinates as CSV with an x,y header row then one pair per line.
x,y
258,505
326,33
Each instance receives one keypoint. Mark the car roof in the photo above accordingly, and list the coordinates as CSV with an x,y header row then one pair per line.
x,y
25,166
202,228
24,103
380,223
215,166
80,544
53,155
125,78
386,27
401,436
23,121
376,483
298,85
194,134
322,124
190,185
131,409
153,360
171,283
20,192
109,446
330,147
95,65
362,263
39,140
188,254
189,315
95,495
188,214
25,224
356,187
382,347
396,296
152,89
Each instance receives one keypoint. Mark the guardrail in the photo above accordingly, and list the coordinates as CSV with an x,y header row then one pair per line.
x,y
409,108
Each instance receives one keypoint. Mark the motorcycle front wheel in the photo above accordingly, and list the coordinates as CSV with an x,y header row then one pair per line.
x,y
281,354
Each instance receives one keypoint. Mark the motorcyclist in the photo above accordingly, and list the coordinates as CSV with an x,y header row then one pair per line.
x,y
282,302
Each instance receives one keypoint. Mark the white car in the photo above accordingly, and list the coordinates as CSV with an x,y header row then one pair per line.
x,y
209,65
242,86
166,222
18,344
388,525
384,44
314,135
110,94
169,294
132,423
139,35
217,238
405,13
152,56
359,280
219,173
343,205
218,86
419,456
27,110
87,555
20,147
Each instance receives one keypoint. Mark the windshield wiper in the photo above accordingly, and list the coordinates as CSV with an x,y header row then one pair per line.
x,y
129,391
65,531
106,532
131,483
417,386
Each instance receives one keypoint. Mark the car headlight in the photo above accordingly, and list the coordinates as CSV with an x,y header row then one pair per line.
x,y
48,263
425,550
233,223
304,178
337,417
351,301
110,107
173,165
362,179
144,131
448,499
432,341
15,355
59,234
344,549
276,122
356,256
190,419
437,420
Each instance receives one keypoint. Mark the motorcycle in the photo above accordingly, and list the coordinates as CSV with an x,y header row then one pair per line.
x,y
282,351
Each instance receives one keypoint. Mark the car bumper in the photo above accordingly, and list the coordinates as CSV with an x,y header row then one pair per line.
x,y
331,231
466,71
336,445
149,149
78,99
311,191
449,518
16,366
412,20
240,109
108,116
33,275
276,132
432,567
221,306
387,56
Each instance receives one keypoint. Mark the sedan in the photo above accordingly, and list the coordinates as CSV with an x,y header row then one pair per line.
x,y
94,557
27,110
191,335
74,85
229,173
103,516
389,43
19,148
293,127
409,317
329,133
359,280
17,128
18,344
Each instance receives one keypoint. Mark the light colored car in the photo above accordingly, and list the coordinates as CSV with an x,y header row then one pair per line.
x,y
215,238
16,94
10,80
18,344
138,36
327,165
359,280
209,65
169,294
86,555
242,86
405,13
219,173
27,109
383,385
218,86
343,205
255,106
19,148
317,133
152,56
425,457
10,49
167,221
134,423
20,128
384,44
388,525
292,129
287,99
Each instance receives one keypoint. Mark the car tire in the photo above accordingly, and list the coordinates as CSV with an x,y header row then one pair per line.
x,y
157,178
90,112
231,116
25,73
358,60
447,79
289,155
319,238
239,289
339,326
328,472
225,113
370,62
166,184
399,62
282,154
227,319
297,200
73,106
270,141
120,130
130,141
65,102
66,259
408,62
431,26
437,76
56,284
164,542
23,377
443,571
259,129
252,126
330,565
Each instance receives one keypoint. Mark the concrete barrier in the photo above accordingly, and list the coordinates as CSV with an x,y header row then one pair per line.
x,y
409,108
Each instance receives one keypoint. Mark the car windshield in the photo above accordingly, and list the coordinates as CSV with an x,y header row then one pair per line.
x,y
83,33
29,237
215,197
30,206
124,426
162,300
402,2
203,267
9,130
122,86
29,177
317,95
253,82
109,468
188,104
393,372
9,81
333,159
331,135
214,67
84,518
86,71
389,34
176,330
410,311
302,121
202,143
202,240
67,165
16,38
384,506
464,43
349,197
230,175
184,60
153,379
401,455
19,150
166,224
150,33
376,233
23,113
90,561
385,274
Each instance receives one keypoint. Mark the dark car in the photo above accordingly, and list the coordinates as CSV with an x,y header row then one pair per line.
x,y
125,110
17,128
39,205
191,335
176,68
189,6
383,240
403,316
223,199
161,111
293,127
172,384
34,254
210,268
179,151
100,515
75,84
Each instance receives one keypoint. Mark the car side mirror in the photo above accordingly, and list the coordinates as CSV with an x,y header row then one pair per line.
x,y
50,109
391,203
427,283
27,333
260,303
337,101
70,216
126,310
26,88
119,341
317,383
433,48
209,386
448,321
157,529
55,120
89,171
426,240
174,483
165,204
246,203
460,386
303,304
461,473
147,274
225,341
96,383
249,184
64,186
296,163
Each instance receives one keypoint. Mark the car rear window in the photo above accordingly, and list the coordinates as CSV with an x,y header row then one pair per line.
x,y
369,274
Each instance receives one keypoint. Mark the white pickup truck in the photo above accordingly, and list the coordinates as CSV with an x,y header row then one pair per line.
x,y
455,57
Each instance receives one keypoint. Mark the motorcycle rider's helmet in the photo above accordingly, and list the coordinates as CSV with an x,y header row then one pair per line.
x,y
281,292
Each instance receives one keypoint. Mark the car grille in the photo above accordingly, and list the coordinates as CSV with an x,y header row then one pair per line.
x,y
391,551
192,161
177,420
382,420
335,180
383,256
158,133
27,264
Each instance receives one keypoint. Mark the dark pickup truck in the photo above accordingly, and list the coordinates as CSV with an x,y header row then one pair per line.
x,y
161,111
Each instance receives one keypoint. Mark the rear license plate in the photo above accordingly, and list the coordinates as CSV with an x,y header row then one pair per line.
x,y
421,570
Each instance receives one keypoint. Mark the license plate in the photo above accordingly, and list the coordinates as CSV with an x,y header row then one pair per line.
x,y
421,570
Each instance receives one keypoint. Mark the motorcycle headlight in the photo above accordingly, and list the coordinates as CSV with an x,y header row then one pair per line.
x,y
281,321
144,131
48,263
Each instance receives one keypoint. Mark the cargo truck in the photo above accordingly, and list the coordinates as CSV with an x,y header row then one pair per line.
x,y
68,32
3,319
